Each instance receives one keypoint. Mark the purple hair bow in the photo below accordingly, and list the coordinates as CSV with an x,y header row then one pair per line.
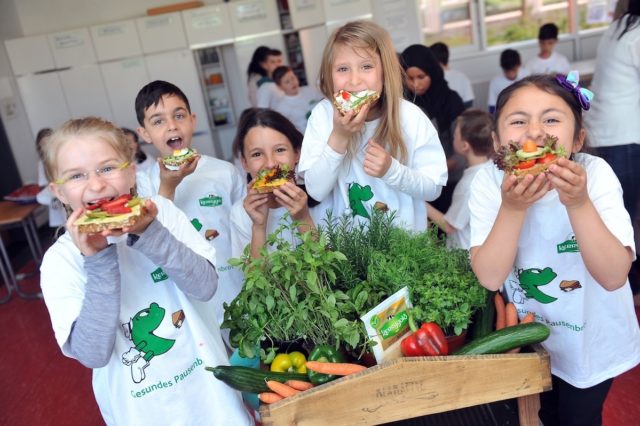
x,y
570,82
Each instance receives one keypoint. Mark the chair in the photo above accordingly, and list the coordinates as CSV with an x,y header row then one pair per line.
x,y
13,215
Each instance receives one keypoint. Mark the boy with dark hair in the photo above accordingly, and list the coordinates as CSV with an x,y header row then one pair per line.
x,y
457,80
471,139
512,71
205,189
548,61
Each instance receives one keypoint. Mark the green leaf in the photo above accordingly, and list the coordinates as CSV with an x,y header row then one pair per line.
x,y
270,302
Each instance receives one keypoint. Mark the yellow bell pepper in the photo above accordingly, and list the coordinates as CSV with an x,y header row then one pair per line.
x,y
293,362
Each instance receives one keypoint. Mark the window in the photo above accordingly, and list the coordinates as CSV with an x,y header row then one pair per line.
x,y
595,13
447,21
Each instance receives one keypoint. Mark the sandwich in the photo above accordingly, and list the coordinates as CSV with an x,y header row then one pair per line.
x,y
354,101
179,157
270,179
118,213
530,159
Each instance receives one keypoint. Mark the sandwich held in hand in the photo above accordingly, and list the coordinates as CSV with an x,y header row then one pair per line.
x,y
179,157
530,159
270,179
116,213
354,101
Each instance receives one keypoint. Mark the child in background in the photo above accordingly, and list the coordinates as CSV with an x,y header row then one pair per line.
x,y
122,302
57,215
388,152
568,232
263,62
142,160
512,71
204,189
264,140
269,93
471,139
548,61
297,102
457,80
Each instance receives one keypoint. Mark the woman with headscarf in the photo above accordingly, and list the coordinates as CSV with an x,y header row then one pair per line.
x,y
427,88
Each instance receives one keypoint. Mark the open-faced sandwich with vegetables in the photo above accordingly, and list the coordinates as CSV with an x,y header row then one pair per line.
x,y
354,101
116,213
179,157
529,159
270,179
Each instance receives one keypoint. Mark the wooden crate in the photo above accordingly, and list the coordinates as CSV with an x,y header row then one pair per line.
x,y
412,387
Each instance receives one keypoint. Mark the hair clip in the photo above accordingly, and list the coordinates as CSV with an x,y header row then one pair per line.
x,y
570,82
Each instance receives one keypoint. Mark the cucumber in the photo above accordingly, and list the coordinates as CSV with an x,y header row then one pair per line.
x,y
253,380
506,339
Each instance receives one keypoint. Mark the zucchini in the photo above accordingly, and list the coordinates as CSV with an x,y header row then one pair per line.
x,y
506,339
253,380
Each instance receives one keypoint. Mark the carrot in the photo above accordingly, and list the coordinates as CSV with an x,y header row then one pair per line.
x,y
281,389
335,368
500,311
269,397
511,315
530,317
299,385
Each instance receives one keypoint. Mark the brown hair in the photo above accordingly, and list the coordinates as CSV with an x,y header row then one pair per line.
x,y
264,117
365,35
476,126
82,127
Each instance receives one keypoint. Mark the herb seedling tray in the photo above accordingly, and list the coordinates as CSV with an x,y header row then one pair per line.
x,y
412,387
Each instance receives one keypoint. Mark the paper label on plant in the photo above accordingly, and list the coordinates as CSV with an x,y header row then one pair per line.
x,y
388,323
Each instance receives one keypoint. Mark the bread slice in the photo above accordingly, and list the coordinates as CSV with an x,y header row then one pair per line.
x,y
270,179
534,170
89,225
179,157
354,101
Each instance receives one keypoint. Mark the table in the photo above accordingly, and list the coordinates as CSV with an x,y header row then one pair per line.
x,y
13,215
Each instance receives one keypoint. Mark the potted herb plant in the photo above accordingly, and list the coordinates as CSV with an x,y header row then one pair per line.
x,y
289,294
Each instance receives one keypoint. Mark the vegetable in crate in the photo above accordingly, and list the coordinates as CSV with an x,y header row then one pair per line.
x,y
253,380
508,338
293,362
428,340
323,353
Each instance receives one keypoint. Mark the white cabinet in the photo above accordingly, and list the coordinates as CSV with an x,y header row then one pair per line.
x,y
252,17
84,92
346,10
306,13
43,99
401,18
122,80
208,26
161,33
71,48
116,40
30,54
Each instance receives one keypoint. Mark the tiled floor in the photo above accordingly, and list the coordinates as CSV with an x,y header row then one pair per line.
x,y
39,386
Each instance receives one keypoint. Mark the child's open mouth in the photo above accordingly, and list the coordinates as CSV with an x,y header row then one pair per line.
x,y
95,203
175,142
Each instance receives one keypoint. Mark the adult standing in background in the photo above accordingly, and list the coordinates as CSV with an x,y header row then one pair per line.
x,y
263,62
457,80
612,123
428,89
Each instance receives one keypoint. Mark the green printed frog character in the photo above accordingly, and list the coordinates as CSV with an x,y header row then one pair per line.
x,y
357,195
147,345
531,279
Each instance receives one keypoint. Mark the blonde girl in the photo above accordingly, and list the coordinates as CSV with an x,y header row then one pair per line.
x,y
388,153
103,290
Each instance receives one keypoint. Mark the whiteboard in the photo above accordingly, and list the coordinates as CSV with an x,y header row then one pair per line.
x,y
43,100
84,91
123,80
179,67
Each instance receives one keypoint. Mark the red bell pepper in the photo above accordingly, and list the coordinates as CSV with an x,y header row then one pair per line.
x,y
428,340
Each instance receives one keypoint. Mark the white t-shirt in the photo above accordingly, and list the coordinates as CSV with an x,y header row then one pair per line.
x,y
500,82
459,82
616,84
554,64
404,188
298,108
269,94
176,388
206,196
594,332
458,214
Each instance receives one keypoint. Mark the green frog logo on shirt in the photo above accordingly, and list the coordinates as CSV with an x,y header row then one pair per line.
x,y
531,279
146,344
358,194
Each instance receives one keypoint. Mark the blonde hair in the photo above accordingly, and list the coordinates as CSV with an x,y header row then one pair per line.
x,y
80,127
366,35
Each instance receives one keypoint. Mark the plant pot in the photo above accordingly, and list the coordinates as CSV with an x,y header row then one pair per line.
x,y
456,342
